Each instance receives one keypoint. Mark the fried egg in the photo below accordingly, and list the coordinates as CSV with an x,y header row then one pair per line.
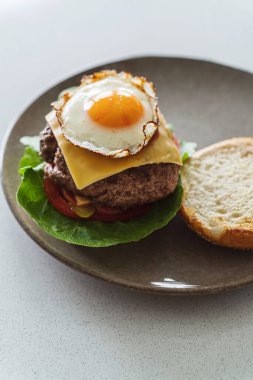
x,y
110,113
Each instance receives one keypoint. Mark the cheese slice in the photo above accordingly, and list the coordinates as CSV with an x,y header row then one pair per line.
x,y
87,167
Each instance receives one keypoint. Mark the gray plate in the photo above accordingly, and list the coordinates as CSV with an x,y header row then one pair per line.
x,y
206,102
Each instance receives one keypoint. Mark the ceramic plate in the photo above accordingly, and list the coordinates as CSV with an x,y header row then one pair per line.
x,y
206,102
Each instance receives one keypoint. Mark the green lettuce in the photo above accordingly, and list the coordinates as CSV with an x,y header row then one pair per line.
x,y
187,149
31,196
31,159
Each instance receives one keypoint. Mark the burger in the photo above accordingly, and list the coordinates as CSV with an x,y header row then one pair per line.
x,y
106,157
109,156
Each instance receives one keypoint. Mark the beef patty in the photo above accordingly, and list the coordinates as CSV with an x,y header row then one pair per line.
x,y
134,186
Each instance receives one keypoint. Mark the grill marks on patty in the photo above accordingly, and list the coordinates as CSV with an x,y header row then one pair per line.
x,y
131,187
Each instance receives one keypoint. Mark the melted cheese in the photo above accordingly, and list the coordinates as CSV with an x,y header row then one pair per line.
x,y
87,167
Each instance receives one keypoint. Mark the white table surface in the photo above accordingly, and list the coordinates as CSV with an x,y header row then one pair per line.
x,y
59,324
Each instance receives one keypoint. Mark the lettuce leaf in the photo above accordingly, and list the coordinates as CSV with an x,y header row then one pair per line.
x,y
187,149
31,159
31,196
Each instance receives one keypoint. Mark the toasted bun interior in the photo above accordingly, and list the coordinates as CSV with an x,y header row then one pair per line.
x,y
218,193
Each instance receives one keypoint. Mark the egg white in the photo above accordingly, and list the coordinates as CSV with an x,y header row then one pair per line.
x,y
80,129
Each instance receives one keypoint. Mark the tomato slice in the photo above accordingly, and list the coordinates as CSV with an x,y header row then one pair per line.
x,y
57,198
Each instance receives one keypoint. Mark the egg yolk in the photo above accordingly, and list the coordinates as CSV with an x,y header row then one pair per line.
x,y
116,111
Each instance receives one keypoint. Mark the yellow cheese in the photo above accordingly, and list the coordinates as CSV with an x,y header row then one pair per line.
x,y
87,167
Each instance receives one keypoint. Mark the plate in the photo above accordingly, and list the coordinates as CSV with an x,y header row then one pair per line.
x,y
206,102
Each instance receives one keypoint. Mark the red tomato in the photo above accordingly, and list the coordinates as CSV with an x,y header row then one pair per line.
x,y
56,199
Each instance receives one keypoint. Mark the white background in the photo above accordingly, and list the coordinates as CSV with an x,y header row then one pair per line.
x,y
59,324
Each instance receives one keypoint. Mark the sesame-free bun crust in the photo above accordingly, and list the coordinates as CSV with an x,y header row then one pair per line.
x,y
218,193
